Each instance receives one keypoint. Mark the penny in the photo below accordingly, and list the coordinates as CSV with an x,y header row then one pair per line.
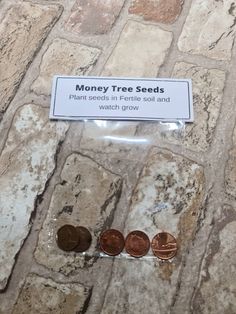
x,y
164,245
67,238
112,242
137,243
85,239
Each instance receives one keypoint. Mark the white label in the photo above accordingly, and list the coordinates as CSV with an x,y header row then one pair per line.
x,y
79,97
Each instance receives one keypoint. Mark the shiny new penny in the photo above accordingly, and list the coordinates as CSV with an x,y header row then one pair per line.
x,y
137,243
67,238
164,245
112,242
85,239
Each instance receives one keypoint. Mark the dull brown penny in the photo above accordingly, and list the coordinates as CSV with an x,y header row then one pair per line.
x,y
137,243
164,245
67,238
85,239
112,242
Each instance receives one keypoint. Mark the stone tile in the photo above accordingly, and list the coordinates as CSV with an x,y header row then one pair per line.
x,y
93,17
87,195
209,29
26,163
216,291
65,58
168,196
115,138
170,189
208,87
140,51
22,32
41,295
157,10
230,169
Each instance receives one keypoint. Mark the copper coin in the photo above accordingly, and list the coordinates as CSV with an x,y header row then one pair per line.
x,y
137,243
85,239
67,238
112,242
164,245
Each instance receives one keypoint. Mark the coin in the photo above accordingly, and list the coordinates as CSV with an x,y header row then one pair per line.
x,y
112,242
164,245
85,239
137,243
67,238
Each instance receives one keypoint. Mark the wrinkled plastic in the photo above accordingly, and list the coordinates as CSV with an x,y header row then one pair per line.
x,y
126,140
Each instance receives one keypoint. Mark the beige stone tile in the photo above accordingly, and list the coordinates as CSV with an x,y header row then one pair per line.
x,y
41,295
114,137
22,32
157,10
209,29
87,195
230,170
93,16
208,87
64,58
216,291
167,197
26,163
140,51
168,186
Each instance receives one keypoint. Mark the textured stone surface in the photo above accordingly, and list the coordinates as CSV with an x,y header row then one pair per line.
x,y
22,32
42,296
213,25
208,86
157,10
93,16
64,58
167,197
112,137
123,174
87,195
140,51
216,291
230,170
26,163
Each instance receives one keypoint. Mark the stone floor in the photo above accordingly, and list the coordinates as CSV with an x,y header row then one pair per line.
x,y
181,179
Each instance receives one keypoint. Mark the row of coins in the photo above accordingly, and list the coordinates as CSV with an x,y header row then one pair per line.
x,y
112,242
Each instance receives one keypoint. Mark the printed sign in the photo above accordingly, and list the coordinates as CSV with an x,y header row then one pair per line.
x,y
80,97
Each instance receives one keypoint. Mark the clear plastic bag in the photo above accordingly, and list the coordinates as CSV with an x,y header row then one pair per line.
x,y
121,175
